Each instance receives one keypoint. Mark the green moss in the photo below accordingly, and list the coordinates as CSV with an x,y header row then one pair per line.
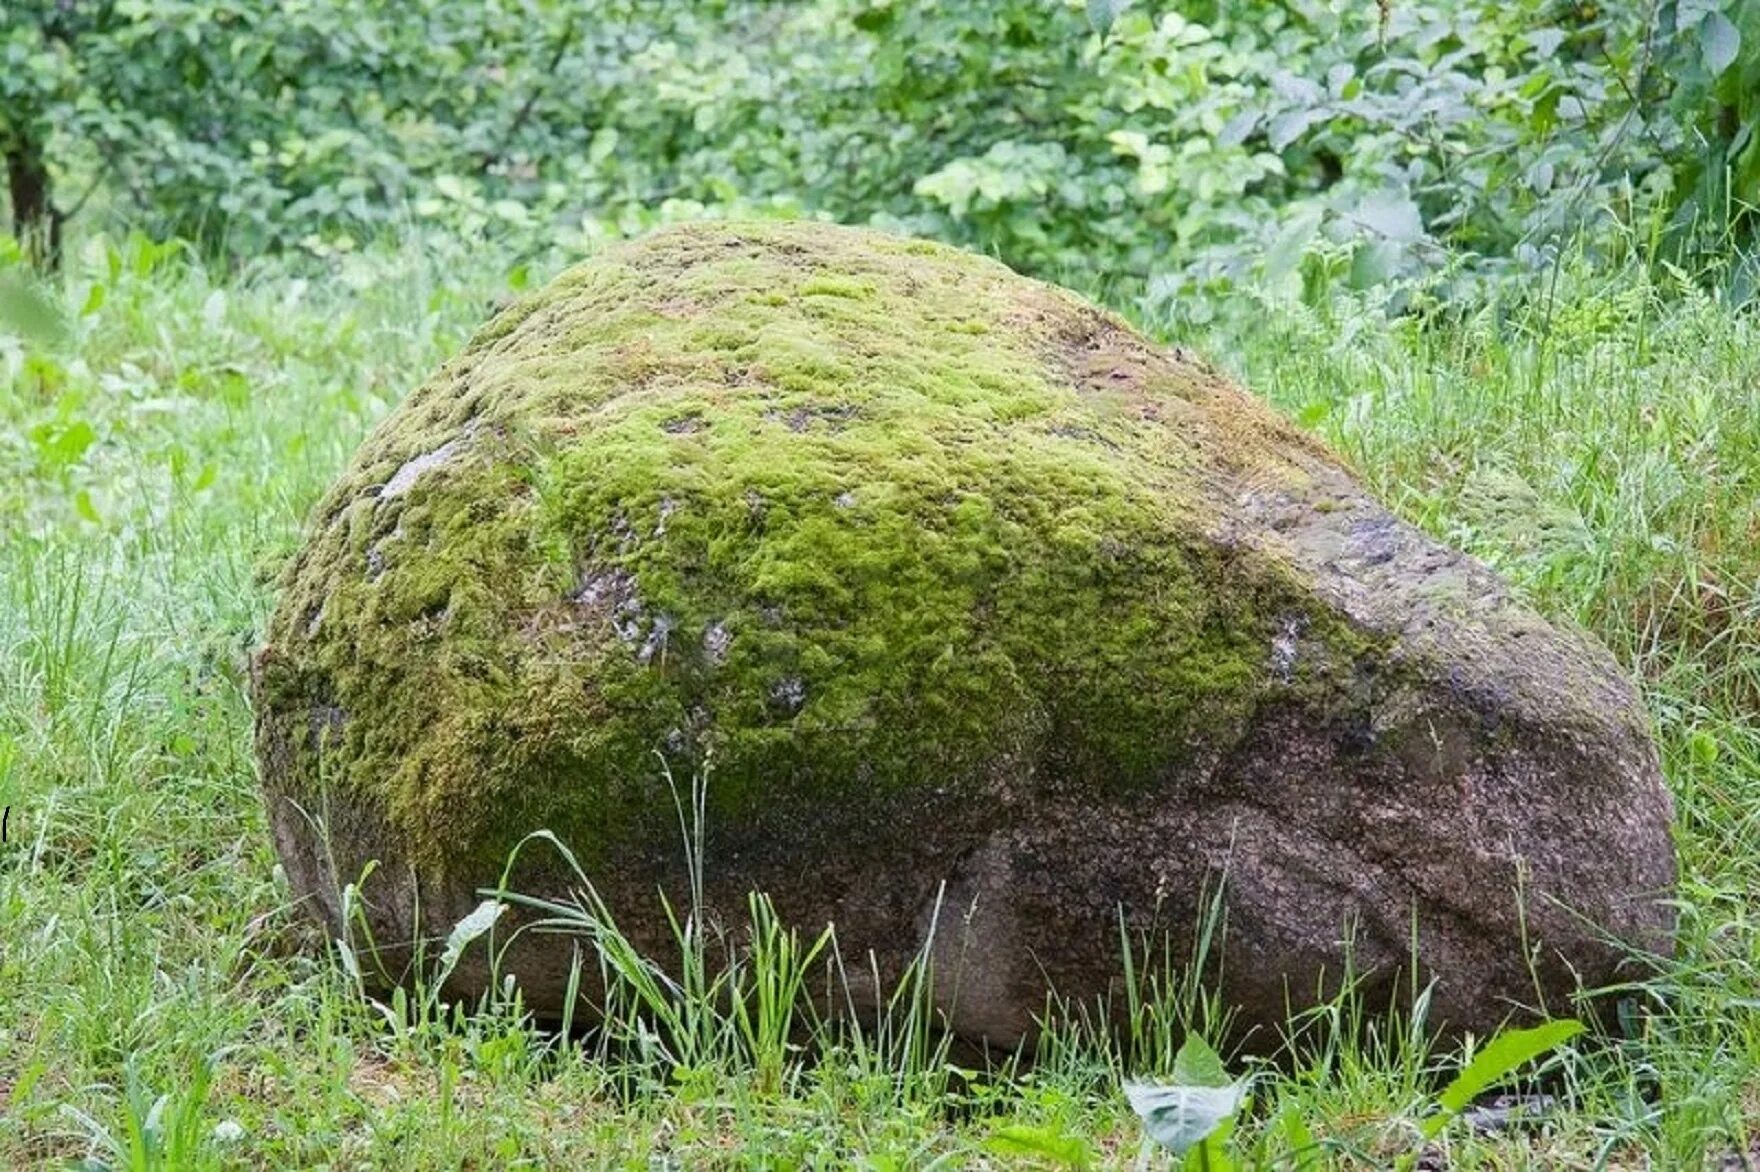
x,y
826,285
830,507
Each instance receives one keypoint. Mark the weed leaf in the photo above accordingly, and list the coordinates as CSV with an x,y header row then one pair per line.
x,y
467,930
1503,1055
1197,1065
26,309
1180,1118
1050,1144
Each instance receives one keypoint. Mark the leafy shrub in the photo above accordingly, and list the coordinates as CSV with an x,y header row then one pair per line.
x,y
1155,146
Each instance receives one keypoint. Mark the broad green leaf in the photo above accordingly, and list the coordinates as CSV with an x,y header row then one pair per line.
x,y
63,446
1102,13
1304,1150
1503,1055
1291,125
1391,215
1052,1144
1292,87
603,144
27,310
1373,262
1291,245
1180,1118
453,188
1197,1065
1234,132
1719,43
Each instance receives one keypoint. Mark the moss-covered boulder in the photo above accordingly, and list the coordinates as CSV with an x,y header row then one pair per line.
x,y
967,597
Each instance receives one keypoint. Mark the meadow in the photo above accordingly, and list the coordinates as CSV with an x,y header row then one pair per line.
x,y
166,423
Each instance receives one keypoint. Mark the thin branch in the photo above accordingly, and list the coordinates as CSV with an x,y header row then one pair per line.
x,y
97,180
563,44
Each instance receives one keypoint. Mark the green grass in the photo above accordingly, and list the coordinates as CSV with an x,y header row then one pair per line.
x,y
160,1006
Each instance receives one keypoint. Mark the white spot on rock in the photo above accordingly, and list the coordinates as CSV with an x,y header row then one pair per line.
x,y
405,477
657,637
716,640
1285,647
789,693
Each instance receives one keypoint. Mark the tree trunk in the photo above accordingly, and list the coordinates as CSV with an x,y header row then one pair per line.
x,y
35,219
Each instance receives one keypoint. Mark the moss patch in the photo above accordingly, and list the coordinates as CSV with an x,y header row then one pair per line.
x,y
827,507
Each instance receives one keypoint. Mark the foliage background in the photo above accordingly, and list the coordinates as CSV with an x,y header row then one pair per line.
x,y
1161,146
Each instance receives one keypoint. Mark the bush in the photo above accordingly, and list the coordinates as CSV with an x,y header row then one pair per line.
x,y
1154,146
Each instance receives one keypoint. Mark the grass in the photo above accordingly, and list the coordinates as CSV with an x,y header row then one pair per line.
x,y
161,1007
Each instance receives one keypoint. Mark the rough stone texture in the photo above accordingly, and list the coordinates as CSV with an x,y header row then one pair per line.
x,y
969,594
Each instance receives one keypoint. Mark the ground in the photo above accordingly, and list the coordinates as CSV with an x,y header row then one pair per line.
x,y
161,452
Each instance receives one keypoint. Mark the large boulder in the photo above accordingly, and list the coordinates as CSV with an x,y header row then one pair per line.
x,y
991,622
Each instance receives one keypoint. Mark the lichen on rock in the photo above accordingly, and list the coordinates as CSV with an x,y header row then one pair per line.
x,y
864,526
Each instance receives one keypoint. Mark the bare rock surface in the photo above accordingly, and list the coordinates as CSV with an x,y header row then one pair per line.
x,y
992,622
